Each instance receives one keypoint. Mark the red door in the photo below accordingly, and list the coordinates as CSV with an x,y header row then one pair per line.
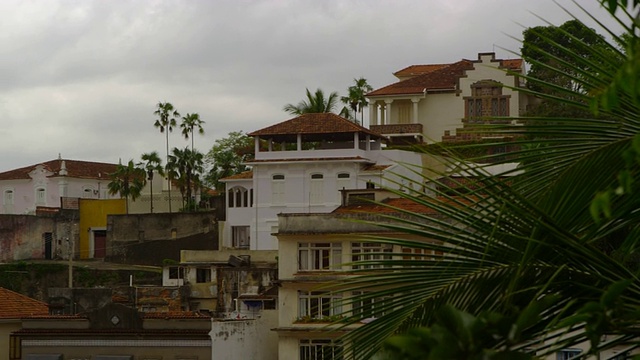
x,y
99,244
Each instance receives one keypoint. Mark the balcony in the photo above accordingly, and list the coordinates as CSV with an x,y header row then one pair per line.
x,y
411,133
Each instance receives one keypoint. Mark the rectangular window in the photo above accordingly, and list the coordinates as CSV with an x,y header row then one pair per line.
x,y
277,189
316,189
320,349
369,307
41,196
567,354
203,275
176,272
370,252
319,256
240,237
318,304
8,197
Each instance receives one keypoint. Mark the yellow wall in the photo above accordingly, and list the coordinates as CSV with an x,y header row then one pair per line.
x,y
93,214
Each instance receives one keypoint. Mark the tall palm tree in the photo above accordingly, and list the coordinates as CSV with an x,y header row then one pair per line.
x,y
151,163
356,99
315,103
127,181
191,122
561,229
186,166
166,121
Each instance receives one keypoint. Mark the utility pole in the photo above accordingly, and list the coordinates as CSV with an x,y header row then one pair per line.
x,y
71,245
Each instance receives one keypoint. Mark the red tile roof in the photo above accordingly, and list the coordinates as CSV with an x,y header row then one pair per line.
x,y
355,158
75,168
435,77
320,123
414,70
16,306
444,78
242,175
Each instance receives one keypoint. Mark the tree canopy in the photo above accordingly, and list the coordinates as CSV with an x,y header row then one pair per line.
x,y
315,103
227,157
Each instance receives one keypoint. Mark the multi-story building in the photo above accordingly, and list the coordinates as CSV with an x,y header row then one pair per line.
x,y
299,167
437,102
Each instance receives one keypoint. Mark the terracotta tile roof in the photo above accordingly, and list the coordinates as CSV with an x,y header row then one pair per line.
x,y
75,168
242,175
444,78
323,123
414,70
435,77
16,306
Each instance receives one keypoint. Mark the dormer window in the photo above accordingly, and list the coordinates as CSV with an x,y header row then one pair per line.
x,y
486,100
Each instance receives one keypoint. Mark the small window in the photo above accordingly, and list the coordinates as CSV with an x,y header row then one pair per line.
x,y
317,176
203,275
176,272
278,177
41,196
370,185
566,354
8,197
344,176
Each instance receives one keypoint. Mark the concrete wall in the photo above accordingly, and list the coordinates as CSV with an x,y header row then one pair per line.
x,y
21,236
93,216
246,339
7,326
150,238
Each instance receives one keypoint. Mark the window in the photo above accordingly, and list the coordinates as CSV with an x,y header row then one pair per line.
x,y
277,189
316,189
318,304
486,100
203,275
320,349
370,252
319,256
567,354
240,237
419,254
239,197
368,306
8,197
41,196
176,272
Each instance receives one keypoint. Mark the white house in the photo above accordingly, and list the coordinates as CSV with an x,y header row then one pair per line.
x,y
44,184
300,166
433,102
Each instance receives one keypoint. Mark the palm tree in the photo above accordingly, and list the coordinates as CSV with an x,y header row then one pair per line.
x,y
127,181
151,163
560,233
316,103
356,99
186,166
166,122
189,123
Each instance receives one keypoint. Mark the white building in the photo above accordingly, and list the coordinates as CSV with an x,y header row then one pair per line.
x,y
300,166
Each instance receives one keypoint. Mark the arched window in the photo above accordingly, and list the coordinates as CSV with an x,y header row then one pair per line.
x,y
238,197
87,192
41,196
277,189
8,197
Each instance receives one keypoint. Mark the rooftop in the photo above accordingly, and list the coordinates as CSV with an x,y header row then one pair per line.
x,y
17,306
75,169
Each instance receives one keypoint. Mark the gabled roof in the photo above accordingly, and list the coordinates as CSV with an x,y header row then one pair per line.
x,y
17,306
443,78
75,169
435,77
314,124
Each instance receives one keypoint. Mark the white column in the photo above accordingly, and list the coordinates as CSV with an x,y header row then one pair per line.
x,y
368,142
256,145
415,102
387,119
299,142
356,140
373,114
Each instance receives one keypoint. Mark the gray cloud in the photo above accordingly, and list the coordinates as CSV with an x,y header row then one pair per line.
x,y
82,78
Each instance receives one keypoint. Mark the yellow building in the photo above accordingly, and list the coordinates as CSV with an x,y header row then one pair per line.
x,y
93,225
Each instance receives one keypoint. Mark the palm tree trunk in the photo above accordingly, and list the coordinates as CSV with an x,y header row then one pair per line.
x,y
168,172
151,188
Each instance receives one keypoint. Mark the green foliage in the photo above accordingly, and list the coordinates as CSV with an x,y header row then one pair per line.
x,y
315,103
191,122
356,99
534,237
127,181
227,157
185,167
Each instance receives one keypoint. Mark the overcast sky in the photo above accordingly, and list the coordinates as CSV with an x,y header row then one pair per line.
x,y
82,78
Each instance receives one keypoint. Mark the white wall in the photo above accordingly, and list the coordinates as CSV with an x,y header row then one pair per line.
x,y
245,339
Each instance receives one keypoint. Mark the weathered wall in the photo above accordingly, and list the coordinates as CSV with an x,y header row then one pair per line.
x,y
246,339
21,236
148,239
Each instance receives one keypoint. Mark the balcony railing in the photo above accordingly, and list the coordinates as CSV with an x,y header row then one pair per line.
x,y
397,129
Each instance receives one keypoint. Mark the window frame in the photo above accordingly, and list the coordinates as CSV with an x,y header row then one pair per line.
x,y
367,251
319,256
319,349
319,304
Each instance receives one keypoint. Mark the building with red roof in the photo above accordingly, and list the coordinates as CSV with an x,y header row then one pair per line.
x,y
438,102
13,308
